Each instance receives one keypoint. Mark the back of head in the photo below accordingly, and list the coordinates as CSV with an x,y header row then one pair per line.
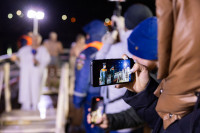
x,y
143,40
53,36
95,29
79,37
136,14
37,39
30,33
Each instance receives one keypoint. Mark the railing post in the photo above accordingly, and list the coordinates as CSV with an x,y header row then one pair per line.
x,y
66,103
63,99
7,87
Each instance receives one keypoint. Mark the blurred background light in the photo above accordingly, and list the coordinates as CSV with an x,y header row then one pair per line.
x,y
34,14
73,19
40,15
9,51
19,12
31,14
107,20
10,15
64,17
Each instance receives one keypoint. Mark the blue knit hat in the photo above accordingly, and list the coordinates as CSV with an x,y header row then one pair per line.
x,y
96,29
143,40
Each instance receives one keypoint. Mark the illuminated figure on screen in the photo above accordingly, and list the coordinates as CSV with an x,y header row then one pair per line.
x,y
126,71
112,72
103,75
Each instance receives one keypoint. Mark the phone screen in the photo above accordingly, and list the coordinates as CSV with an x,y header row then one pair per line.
x,y
97,109
111,71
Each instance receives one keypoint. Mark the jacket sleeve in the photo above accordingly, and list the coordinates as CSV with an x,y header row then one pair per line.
x,y
164,11
101,54
82,83
144,103
125,119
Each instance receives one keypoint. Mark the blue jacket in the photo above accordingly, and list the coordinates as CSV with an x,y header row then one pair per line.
x,y
84,91
145,103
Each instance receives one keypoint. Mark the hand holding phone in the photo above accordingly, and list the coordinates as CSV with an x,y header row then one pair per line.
x,y
140,81
97,109
102,123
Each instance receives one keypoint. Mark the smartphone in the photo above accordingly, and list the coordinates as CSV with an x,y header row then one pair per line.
x,y
97,109
111,71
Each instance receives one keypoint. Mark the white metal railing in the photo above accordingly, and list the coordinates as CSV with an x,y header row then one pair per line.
x,y
63,99
7,87
5,80
4,83
4,57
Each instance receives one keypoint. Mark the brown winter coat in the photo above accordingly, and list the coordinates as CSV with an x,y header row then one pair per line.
x,y
179,57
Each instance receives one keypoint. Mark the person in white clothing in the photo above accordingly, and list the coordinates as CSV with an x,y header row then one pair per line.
x,y
32,60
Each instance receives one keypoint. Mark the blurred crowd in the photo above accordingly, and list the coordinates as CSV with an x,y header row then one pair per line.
x,y
164,95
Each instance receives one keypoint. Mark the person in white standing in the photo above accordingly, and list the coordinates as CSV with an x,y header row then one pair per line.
x,y
32,60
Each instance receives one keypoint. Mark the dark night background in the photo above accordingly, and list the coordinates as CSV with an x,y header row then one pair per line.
x,y
83,10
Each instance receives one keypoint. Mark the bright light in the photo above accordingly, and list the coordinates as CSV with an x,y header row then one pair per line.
x,y
40,15
10,15
34,14
42,113
19,13
107,20
64,17
31,14
125,64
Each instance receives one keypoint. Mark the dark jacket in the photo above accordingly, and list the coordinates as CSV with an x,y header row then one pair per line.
x,y
125,119
144,104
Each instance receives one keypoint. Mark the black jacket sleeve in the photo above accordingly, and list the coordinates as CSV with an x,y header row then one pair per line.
x,y
144,103
125,119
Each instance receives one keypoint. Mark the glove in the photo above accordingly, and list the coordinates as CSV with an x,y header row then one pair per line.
x,y
110,37
120,22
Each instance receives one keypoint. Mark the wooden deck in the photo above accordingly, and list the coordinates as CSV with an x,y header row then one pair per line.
x,y
19,121
36,128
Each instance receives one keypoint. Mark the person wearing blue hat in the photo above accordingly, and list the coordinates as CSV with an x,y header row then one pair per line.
x,y
143,38
84,91
144,51
145,93
173,105
94,30
141,42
